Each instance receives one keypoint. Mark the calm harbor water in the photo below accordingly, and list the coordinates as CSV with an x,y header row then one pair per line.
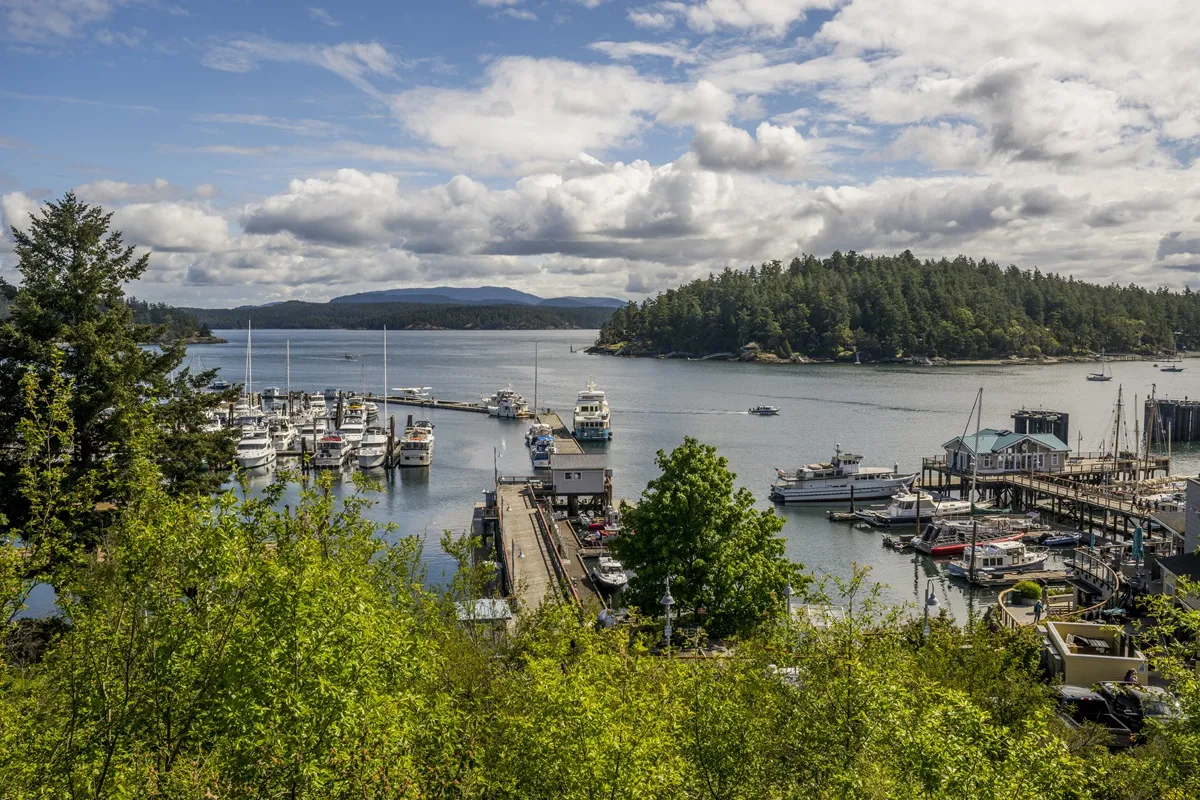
x,y
889,414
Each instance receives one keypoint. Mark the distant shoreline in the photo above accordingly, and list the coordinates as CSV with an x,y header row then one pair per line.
x,y
758,357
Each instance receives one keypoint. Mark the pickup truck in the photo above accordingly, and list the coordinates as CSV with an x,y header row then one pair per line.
x,y
1078,706
1136,705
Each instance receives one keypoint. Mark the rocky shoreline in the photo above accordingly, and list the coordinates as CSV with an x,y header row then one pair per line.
x,y
757,356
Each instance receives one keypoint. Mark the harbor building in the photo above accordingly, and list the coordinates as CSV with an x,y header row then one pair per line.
x,y
1005,451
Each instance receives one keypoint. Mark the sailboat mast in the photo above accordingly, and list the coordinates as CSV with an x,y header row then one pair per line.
x,y
385,383
975,460
535,380
249,367
289,368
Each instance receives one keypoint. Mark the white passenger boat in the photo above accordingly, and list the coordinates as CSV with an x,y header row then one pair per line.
x,y
839,479
903,509
995,558
255,448
416,448
543,448
765,411
507,404
609,574
372,451
332,451
593,418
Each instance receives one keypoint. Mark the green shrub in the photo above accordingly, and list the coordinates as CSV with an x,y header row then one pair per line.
x,y
1029,590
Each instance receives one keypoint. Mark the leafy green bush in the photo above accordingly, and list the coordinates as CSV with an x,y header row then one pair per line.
x,y
1029,590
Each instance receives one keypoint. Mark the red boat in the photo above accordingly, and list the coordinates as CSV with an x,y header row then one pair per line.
x,y
942,538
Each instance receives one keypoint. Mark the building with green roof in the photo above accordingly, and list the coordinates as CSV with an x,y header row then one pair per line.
x,y
1003,451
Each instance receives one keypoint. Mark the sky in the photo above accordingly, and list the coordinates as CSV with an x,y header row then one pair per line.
x,y
265,151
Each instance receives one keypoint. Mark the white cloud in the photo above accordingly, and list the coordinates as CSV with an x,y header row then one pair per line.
x,y
532,112
46,20
624,51
773,17
704,102
172,226
651,20
322,16
303,127
523,14
780,150
356,62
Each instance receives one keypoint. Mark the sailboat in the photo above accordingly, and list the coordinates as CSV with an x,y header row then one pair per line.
x,y
256,447
1173,364
373,451
1101,375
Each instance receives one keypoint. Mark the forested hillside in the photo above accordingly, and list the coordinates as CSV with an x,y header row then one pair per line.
x,y
889,306
179,324
373,316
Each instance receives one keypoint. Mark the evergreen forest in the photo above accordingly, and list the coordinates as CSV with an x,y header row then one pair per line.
x,y
886,307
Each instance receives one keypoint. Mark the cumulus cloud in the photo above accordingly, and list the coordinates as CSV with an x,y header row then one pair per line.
x,y
769,16
771,149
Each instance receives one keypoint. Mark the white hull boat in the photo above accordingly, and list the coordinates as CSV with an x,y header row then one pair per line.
x,y
903,509
593,418
332,452
255,449
839,479
609,575
372,452
416,448
997,558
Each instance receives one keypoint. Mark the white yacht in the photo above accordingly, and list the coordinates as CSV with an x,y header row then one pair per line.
x,y
543,449
416,448
352,429
255,448
593,418
372,452
536,431
839,479
903,509
507,404
283,434
332,451
997,557
609,574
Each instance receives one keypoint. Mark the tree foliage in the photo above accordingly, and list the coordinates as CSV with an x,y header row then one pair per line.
x,y
69,317
890,306
721,553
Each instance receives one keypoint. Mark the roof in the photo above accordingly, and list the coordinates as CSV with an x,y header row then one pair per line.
x,y
1186,565
991,440
486,609
1174,521
577,461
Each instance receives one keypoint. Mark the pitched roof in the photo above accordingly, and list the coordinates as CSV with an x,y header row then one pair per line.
x,y
1186,565
576,461
991,440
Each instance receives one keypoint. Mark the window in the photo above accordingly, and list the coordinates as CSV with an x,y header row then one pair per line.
x,y
1054,460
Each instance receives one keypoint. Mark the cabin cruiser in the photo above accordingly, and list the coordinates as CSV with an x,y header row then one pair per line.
x,y
507,404
220,385
316,400
255,448
273,393
609,574
839,479
765,411
283,434
333,451
536,431
372,452
543,449
332,393
949,537
593,418
996,558
903,509
352,428
416,447
214,420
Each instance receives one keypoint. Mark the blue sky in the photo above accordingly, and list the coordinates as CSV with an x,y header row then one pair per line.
x,y
269,150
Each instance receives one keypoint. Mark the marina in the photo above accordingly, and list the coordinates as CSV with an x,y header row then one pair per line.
x,y
661,401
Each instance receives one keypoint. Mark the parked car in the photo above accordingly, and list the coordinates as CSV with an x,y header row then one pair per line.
x,y
1135,704
1078,706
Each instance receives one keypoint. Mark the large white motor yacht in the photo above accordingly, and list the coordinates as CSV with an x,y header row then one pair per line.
x,y
332,451
593,418
255,448
904,508
416,448
839,479
507,404
372,451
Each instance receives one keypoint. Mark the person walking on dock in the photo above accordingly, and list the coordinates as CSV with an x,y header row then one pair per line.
x,y
1037,612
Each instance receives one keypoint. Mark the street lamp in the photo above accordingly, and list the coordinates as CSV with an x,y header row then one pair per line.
x,y
496,456
668,601
789,593
931,604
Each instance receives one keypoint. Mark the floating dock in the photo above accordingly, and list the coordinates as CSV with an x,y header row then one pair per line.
x,y
564,441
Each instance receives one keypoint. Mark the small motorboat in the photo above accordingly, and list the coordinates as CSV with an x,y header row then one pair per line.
x,y
997,558
1061,539
609,574
765,411
349,357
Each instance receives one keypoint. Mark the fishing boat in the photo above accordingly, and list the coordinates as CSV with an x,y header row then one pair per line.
x,y
995,558
332,451
609,574
904,507
507,404
543,449
841,478
416,448
765,411
255,449
949,537
593,418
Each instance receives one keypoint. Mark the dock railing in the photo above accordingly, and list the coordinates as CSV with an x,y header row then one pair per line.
x,y
1095,572
552,547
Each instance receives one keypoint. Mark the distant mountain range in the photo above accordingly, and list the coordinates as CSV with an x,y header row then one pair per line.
x,y
481,295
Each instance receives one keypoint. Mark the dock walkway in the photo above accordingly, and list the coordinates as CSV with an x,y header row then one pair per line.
x,y
564,442
534,573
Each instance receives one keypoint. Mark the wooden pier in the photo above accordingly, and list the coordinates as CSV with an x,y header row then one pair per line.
x,y
564,440
430,402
